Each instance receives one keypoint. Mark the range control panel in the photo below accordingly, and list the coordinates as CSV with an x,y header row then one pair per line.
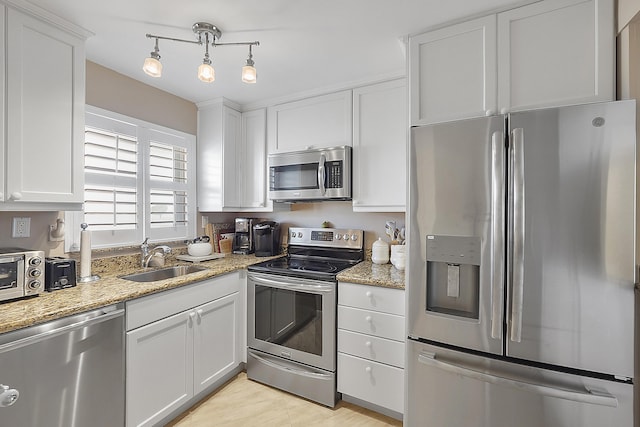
x,y
327,237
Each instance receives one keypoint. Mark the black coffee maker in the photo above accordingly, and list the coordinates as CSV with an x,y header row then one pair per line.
x,y
266,238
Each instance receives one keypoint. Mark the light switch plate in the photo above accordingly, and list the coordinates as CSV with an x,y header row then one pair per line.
x,y
21,227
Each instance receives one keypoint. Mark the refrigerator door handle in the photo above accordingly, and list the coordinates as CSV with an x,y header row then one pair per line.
x,y
517,234
497,231
582,396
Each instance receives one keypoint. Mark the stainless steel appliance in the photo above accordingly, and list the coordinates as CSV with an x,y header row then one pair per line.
x,y
21,273
291,305
266,238
243,237
68,372
521,269
311,175
59,273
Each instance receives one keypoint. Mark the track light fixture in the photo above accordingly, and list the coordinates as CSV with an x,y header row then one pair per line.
x,y
206,34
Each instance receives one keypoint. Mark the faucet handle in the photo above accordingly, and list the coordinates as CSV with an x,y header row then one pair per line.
x,y
146,240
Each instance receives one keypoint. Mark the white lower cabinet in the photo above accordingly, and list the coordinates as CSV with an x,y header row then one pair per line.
x,y
371,344
179,344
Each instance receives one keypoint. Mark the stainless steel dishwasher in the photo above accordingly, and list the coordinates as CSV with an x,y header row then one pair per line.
x,y
65,373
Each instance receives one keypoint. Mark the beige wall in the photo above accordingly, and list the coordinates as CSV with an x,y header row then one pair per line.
x,y
119,93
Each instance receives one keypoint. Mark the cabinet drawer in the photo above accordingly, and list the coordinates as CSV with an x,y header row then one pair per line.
x,y
371,322
370,347
375,298
372,382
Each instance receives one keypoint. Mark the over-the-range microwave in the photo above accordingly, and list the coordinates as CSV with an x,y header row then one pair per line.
x,y
310,175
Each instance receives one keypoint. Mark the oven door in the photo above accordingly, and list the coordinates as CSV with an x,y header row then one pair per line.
x,y
292,318
11,277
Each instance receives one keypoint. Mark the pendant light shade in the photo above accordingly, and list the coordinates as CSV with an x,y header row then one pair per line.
x,y
249,74
152,65
206,73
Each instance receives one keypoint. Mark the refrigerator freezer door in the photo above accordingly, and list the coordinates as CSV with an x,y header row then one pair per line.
x,y
448,388
456,233
571,276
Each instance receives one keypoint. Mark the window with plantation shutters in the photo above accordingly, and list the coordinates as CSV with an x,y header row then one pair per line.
x,y
139,181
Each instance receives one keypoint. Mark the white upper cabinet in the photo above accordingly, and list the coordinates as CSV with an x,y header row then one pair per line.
x,y
545,54
231,169
379,147
317,122
254,171
452,72
44,145
556,53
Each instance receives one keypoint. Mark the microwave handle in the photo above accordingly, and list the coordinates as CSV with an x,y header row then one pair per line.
x,y
321,174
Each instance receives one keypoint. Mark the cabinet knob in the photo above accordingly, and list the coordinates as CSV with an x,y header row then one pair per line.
x,y
368,319
192,317
489,112
368,344
16,195
199,314
368,369
504,110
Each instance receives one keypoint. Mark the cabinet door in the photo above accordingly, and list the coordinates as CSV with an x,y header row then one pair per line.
x,y
317,122
556,53
452,72
3,97
234,161
254,158
159,369
216,340
379,147
45,114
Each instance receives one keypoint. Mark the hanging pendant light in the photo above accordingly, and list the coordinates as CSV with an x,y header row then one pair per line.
x,y
249,74
206,73
152,65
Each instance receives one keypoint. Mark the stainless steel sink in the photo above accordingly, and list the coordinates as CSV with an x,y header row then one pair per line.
x,y
163,273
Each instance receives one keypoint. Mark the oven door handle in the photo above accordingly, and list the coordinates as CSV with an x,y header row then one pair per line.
x,y
303,287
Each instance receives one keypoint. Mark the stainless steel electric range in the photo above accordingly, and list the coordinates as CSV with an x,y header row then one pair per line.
x,y
292,312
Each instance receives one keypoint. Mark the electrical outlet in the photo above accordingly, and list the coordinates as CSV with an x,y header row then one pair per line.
x,y
21,227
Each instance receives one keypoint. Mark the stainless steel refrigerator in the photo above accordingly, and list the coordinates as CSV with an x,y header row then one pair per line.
x,y
521,270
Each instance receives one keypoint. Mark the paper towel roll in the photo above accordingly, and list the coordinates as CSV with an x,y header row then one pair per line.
x,y
85,251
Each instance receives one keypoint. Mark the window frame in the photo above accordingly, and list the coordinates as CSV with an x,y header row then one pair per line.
x,y
145,133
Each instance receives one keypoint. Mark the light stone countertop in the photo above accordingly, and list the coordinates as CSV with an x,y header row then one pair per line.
x,y
109,289
368,273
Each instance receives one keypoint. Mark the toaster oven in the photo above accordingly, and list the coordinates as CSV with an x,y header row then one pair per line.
x,y
21,273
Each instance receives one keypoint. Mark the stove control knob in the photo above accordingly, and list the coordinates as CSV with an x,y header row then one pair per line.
x,y
346,237
338,236
354,237
299,234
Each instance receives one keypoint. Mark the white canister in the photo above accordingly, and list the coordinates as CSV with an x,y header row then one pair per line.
x,y
380,252
398,256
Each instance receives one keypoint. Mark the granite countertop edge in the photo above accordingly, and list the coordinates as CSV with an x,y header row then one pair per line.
x,y
112,289
368,273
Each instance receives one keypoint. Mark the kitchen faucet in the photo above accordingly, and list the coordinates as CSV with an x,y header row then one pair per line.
x,y
147,254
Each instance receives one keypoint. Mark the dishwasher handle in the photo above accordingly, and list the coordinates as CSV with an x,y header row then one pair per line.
x,y
8,396
87,319
582,396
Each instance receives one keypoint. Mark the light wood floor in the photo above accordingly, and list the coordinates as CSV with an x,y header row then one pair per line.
x,y
242,402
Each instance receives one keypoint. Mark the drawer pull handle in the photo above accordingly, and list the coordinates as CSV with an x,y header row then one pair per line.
x,y
368,369
368,319
368,344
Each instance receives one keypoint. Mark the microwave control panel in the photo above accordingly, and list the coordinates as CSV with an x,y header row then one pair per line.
x,y
334,174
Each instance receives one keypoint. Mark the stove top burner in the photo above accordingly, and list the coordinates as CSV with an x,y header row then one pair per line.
x,y
302,267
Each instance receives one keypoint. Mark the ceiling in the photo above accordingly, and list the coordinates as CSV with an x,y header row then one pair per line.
x,y
305,45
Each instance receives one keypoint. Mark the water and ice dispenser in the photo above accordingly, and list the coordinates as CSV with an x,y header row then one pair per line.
x,y
453,275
